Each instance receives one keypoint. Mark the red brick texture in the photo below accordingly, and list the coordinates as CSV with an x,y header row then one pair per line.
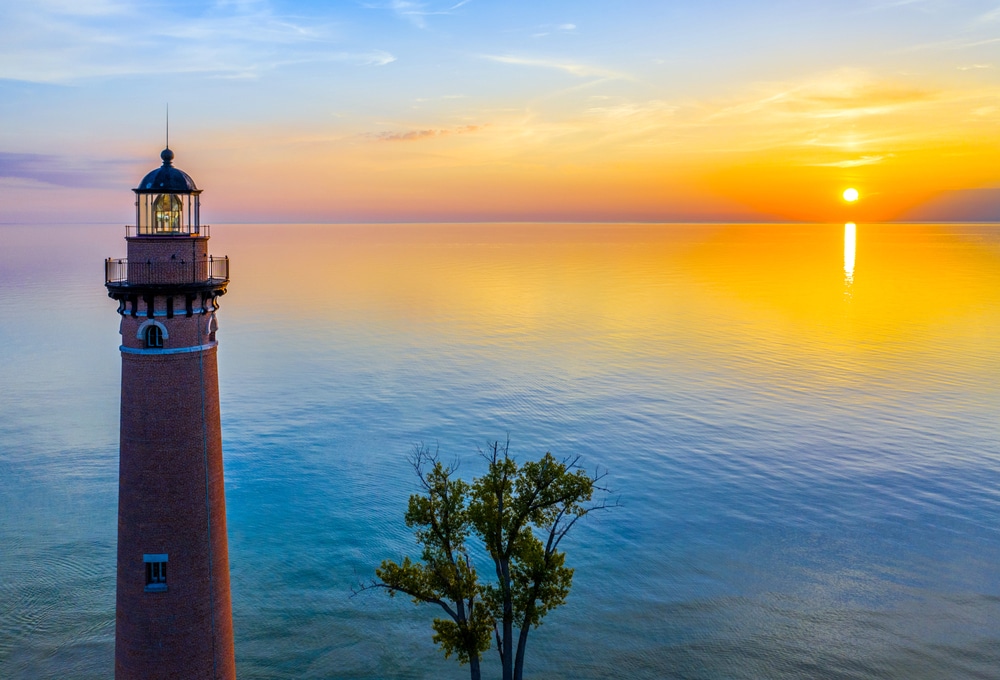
x,y
187,255
183,331
171,500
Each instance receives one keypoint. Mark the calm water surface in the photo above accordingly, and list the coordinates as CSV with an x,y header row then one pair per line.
x,y
801,420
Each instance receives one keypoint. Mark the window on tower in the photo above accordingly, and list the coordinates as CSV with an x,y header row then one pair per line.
x,y
168,208
153,336
156,572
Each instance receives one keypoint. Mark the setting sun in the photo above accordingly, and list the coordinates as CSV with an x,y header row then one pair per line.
x,y
851,195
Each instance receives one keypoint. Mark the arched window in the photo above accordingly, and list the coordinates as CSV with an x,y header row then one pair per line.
x,y
153,337
168,213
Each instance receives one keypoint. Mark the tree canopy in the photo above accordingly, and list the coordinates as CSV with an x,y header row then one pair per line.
x,y
519,514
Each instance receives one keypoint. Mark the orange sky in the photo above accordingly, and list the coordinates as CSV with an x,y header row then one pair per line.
x,y
469,112
770,151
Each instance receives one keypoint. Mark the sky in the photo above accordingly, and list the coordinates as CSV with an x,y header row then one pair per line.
x,y
478,110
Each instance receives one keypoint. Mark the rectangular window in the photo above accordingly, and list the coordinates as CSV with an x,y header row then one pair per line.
x,y
156,572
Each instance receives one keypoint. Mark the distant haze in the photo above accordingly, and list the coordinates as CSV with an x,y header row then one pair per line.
x,y
970,205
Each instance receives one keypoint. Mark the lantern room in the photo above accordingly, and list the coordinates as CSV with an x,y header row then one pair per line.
x,y
167,202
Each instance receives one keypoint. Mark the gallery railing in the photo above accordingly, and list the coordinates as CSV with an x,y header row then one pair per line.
x,y
206,270
179,230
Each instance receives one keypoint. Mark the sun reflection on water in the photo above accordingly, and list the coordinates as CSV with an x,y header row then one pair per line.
x,y
638,293
850,248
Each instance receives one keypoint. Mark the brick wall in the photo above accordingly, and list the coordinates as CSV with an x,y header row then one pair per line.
x,y
167,259
172,500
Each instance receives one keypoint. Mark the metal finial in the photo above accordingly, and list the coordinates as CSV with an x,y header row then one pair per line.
x,y
168,126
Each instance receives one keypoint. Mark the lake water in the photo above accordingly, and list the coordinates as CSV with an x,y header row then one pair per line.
x,y
802,423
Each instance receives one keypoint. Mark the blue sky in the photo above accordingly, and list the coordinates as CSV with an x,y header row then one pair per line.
x,y
489,88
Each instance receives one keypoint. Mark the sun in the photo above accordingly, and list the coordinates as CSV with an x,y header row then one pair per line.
x,y
851,195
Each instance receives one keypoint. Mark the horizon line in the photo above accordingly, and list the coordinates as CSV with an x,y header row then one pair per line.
x,y
553,222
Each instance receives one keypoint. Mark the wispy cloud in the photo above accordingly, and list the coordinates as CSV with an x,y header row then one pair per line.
x,y
410,136
414,135
989,17
549,29
924,8
656,109
846,118
413,12
370,58
61,171
574,68
92,8
417,12
853,162
952,44
847,93
56,41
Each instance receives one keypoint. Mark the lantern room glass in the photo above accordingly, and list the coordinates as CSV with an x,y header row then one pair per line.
x,y
167,214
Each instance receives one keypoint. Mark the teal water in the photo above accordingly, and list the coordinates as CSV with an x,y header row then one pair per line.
x,y
804,436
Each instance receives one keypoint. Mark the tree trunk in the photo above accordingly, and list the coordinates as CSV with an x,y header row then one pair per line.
x,y
508,635
522,638
474,667
508,623
522,642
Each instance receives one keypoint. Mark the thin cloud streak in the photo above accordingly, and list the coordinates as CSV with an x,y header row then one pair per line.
x,y
573,68
414,135
42,43
852,163
60,171
415,12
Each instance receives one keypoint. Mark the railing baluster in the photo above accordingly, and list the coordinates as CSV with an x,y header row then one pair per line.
x,y
118,271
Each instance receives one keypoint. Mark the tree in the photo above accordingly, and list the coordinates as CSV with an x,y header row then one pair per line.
x,y
521,515
447,577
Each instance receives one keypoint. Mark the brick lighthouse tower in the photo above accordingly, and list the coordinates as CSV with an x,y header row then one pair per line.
x,y
173,616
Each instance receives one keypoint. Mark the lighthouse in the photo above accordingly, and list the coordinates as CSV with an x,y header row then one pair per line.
x,y
173,614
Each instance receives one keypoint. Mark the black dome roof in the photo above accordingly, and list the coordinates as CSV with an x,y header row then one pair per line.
x,y
167,178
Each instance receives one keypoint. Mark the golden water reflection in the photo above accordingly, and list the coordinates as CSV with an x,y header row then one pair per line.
x,y
689,293
850,247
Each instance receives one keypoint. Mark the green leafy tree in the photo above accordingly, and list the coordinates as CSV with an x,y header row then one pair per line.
x,y
521,515
446,577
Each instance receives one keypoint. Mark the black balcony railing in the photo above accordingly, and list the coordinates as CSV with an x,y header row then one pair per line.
x,y
182,230
205,270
